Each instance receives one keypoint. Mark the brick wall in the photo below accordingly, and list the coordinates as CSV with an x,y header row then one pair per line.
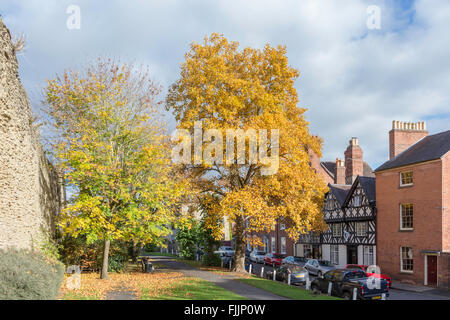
x,y
426,195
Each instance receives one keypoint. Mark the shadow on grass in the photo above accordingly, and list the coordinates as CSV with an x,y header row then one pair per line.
x,y
284,290
193,289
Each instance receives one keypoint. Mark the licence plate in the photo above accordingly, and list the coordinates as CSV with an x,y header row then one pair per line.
x,y
376,297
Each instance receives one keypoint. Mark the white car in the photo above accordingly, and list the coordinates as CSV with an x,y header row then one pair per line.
x,y
257,256
229,251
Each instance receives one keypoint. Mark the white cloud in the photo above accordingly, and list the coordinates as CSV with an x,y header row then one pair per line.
x,y
354,81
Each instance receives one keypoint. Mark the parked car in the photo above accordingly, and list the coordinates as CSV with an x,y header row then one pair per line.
x,y
273,259
257,256
226,260
229,251
318,267
370,274
294,260
344,281
298,274
247,254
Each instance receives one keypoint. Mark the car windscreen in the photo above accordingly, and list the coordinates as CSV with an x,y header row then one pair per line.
x,y
278,256
260,253
297,269
355,275
300,259
325,263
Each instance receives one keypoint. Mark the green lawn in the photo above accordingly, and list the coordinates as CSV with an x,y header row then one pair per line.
x,y
194,289
192,263
284,290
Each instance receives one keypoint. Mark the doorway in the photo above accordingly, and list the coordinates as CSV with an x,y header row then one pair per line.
x,y
352,254
432,270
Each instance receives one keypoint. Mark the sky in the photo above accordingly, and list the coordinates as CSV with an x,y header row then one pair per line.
x,y
354,80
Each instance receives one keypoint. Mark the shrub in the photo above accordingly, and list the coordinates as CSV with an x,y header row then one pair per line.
x,y
29,275
211,260
76,251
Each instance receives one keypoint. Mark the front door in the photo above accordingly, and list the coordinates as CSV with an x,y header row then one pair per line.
x,y
432,270
317,254
352,255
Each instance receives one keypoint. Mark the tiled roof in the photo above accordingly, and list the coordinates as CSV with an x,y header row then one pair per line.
x,y
429,148
340,191
330,168
368,185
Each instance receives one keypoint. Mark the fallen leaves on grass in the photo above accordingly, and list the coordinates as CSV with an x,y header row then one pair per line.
x,y
93,286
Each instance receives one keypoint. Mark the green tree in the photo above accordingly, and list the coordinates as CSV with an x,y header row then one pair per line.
x,y
114,153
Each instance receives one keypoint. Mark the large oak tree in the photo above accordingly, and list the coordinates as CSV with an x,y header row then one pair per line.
x,y
226,87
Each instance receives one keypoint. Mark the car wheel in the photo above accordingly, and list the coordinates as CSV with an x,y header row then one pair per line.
x,y
347,296
315,289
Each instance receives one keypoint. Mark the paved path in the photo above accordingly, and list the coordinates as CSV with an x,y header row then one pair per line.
x,y
121,294
227,282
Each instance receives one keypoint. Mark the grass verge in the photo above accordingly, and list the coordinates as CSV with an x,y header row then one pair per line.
x,y
284,290
192,289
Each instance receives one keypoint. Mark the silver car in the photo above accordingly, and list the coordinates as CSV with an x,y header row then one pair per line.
x,y
319,267
257,256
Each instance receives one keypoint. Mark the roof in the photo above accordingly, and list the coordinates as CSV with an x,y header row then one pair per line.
x,y
340,191
330,168
368,185
429,148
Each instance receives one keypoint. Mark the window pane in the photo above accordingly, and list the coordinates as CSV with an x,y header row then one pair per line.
x,y
407,216
406,259
406,177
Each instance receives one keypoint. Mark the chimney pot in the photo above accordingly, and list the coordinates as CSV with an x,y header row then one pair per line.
x,y
404,135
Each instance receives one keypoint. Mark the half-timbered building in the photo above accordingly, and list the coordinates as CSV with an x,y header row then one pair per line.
x,y
350,214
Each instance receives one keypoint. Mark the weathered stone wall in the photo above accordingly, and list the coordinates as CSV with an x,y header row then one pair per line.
x,y
30,195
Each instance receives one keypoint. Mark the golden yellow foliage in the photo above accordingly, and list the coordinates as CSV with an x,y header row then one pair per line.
x,y
228,88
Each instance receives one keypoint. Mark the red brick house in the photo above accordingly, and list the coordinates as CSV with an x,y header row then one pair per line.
x,y
413,199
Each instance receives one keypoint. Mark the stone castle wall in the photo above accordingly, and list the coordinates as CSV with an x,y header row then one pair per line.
x,y
30,196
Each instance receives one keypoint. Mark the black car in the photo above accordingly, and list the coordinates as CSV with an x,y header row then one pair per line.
x,y
345,281
298,274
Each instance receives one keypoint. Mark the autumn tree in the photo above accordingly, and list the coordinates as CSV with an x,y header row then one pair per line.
x,y
110,144
222,87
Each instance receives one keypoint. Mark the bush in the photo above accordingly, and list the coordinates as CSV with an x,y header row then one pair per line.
x,y
76,251
29,275
212,260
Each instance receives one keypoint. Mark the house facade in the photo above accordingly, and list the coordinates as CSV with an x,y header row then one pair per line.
x,y
413,217
349,212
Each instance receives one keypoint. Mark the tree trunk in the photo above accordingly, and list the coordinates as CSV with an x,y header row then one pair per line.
x,y
136,251
239,254
104,273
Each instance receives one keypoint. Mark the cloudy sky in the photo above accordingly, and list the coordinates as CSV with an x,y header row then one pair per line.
x,y
353,80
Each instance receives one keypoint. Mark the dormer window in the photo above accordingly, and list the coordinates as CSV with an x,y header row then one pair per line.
x,y
406,178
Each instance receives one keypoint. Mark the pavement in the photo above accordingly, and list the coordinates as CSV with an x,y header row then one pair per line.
x,y
121,294
227,282
402,288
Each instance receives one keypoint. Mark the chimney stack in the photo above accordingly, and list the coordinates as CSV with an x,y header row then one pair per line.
x,y
405,134
353,161
339,177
